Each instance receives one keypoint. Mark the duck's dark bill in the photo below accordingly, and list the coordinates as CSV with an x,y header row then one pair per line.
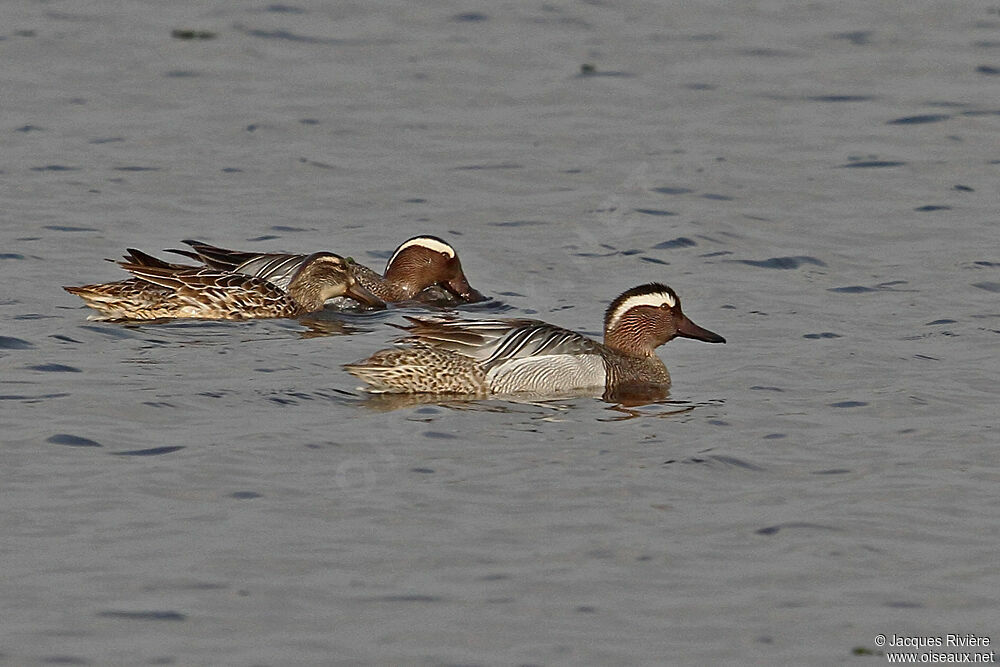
x,y
689,329
362,294
460,287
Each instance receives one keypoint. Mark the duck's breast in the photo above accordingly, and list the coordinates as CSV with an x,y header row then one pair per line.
x,y
550,373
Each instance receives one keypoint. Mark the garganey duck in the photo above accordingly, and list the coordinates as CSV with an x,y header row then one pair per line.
x,y
160,289
423,268
483,357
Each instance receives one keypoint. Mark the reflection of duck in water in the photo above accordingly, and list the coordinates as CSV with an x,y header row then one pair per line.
x,y
649,402
424,268
490,357
163,290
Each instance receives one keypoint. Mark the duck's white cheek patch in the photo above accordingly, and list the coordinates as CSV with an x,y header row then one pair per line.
x,y
654,300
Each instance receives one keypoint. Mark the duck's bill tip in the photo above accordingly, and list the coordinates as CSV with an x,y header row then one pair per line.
x,y
689,329
472,296
363,295
461,288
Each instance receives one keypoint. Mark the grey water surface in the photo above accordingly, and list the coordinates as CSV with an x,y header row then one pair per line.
x,y
818,181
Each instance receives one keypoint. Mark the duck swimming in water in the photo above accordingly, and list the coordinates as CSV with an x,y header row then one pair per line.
x,y
505,356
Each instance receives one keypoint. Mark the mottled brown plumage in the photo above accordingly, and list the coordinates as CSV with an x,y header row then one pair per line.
x,y
162,290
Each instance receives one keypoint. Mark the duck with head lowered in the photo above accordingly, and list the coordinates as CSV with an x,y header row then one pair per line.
x,y
161,290
509,356
423,268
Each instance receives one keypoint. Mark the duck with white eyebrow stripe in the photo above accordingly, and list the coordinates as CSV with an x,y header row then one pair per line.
x,y
627,301
423,268
485,357
432,243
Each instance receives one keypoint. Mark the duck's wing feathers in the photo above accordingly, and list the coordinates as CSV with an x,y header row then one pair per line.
x,y
135,256
214,256
206,284
494,342
277,268
133,288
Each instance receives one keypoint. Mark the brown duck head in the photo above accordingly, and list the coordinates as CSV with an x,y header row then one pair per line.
x,y
645,317
424,261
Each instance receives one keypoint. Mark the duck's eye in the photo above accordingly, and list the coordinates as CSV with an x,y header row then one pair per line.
x,y
445,255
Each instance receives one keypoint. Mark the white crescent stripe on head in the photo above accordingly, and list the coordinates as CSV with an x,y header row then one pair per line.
x,y
656,299
424,242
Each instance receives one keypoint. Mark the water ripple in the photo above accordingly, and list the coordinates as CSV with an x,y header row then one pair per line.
x,y
781,262
70,440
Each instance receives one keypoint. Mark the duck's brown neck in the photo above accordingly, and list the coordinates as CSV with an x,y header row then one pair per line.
x,y
384,288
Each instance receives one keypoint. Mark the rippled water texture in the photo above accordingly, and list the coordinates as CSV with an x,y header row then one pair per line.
x,y
818,181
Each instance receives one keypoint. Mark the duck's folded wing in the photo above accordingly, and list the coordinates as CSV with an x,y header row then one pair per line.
x,y
277,268
207,283
539,339
493,342
131,289
135,256
214,256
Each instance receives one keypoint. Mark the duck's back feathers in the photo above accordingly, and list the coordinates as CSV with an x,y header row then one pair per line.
x,y
495,342
277,268
135,256
162,292
205,282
